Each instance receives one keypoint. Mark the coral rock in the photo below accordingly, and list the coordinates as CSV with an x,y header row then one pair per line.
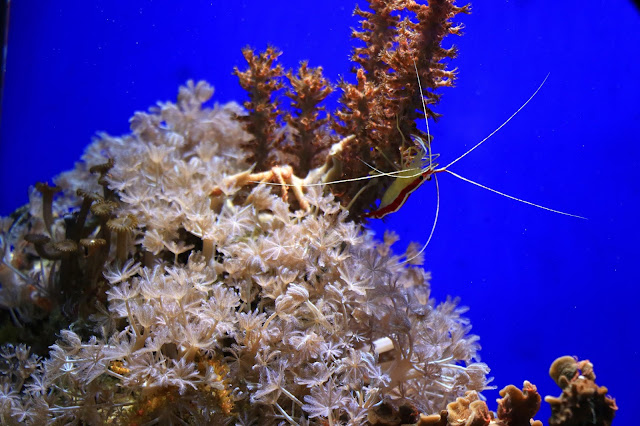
x,y
582,401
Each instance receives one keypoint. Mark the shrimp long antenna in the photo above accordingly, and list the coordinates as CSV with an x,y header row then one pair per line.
x,y
424,109
501,126
512,197
433,227
394,174
330,182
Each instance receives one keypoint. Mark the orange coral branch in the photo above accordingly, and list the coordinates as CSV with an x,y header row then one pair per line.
x,y
380,109
309,144
262,79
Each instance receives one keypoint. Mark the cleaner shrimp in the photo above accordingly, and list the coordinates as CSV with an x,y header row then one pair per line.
x,y
421,167
410,179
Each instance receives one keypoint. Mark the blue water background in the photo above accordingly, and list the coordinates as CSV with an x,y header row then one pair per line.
x,y
539,285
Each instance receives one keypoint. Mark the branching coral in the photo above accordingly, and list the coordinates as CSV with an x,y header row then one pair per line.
x,y
308,145
261,80
402,42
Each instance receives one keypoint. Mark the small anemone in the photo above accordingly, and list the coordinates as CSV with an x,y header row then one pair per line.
x,y
104,209
88,198
102,168
43,246
47,192
65,247
95,251
51,250
123,223
37,239
123,226
92,245
93,196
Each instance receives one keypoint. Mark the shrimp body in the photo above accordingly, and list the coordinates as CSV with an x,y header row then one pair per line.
x,y
406,181
396,195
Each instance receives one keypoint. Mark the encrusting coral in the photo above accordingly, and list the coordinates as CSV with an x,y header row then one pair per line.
x,y
183,289
582,401
515,408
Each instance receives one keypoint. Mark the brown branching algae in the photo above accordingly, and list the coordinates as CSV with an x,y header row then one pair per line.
x,y
166,280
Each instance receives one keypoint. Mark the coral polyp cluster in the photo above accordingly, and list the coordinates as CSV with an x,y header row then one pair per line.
x,y
229,307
